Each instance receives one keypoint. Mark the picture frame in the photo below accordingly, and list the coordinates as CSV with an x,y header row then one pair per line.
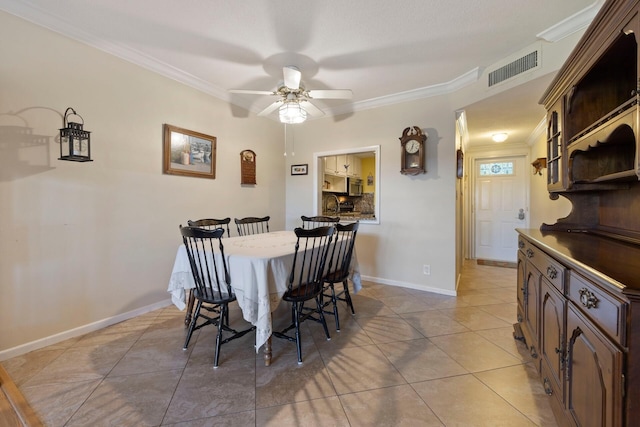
x,y
300,169
188,153
459,163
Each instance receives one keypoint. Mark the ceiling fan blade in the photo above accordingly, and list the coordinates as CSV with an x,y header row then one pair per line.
x,y
331,94
311,109
253,92
271,108
291,77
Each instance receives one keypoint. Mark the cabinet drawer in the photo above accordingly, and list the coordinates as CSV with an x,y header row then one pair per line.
x,y
605,310
552,270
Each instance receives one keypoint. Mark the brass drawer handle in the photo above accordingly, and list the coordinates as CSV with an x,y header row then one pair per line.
x,y
529,253
520,244
547,387
588,298
552,272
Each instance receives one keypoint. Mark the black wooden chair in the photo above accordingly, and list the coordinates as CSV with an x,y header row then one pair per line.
x,y
213,284
252,225
339,261
305,281
309,222
211,224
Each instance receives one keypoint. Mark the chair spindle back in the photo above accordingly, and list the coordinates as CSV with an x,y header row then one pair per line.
x,y
208,264
309,222
252,225
309,260
211,224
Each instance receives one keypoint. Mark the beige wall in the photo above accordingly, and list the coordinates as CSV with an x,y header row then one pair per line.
x,y
416,212
85,244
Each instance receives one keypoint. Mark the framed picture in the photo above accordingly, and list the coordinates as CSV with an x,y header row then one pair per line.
x,y
459,163
299,169
188,153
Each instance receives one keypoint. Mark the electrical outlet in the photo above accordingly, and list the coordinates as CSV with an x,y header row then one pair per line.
x,y
426,269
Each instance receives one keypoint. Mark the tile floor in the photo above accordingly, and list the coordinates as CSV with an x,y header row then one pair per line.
x,y
406,358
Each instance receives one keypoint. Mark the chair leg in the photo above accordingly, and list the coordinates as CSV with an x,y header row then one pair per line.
x,y
296,321
322,319
192,325
189,313
334,301
347,296
226,318
223,312
293,312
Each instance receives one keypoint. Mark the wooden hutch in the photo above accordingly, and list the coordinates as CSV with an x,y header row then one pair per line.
x,y
579,279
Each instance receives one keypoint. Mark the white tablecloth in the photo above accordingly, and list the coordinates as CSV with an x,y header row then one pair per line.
x,y
258,266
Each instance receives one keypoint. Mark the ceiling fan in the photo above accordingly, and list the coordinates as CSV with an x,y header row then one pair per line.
x,y
295,98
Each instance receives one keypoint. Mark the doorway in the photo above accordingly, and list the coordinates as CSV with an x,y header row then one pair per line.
x,y
501,204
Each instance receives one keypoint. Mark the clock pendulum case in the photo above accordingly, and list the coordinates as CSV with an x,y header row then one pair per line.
x,y
412,144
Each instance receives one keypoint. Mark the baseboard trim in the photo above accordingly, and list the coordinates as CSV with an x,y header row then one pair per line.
x,y
493,263
81,330
410,286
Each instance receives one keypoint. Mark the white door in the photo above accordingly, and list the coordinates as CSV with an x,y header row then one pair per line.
x,y
500,207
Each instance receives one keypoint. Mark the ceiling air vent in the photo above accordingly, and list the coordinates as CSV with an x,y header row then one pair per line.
x,y
514,68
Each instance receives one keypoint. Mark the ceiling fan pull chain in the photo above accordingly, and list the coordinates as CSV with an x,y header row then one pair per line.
x,y
285,140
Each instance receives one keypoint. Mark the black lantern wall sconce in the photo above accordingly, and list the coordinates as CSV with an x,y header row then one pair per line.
x,y
75,142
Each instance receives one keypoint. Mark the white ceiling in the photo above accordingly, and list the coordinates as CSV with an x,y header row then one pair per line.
x,y
384,51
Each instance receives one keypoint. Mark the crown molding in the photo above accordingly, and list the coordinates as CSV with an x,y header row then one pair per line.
x,y
537,131
60,25
410,95
570,25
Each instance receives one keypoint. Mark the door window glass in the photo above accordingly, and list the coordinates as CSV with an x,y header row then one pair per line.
x,y
496,168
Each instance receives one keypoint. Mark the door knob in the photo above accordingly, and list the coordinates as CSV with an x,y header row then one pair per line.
x,y
521,214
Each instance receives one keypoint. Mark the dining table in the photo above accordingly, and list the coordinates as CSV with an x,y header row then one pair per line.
x,y
259,266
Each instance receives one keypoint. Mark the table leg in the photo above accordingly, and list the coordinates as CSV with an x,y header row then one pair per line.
x,y
190,301
267,352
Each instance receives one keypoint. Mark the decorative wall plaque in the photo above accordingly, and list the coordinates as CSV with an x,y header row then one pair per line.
x,y
247,167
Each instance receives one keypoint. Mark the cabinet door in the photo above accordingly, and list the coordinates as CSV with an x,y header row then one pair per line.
x,y
341,162
552,321
331,165
531,293
355,167
555,169
520,284
594,374
348,161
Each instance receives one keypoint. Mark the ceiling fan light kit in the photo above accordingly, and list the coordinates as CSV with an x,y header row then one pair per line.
x,y
291,113
292,93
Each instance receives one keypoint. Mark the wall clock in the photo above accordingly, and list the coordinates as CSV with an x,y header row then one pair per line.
x,y
412,151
